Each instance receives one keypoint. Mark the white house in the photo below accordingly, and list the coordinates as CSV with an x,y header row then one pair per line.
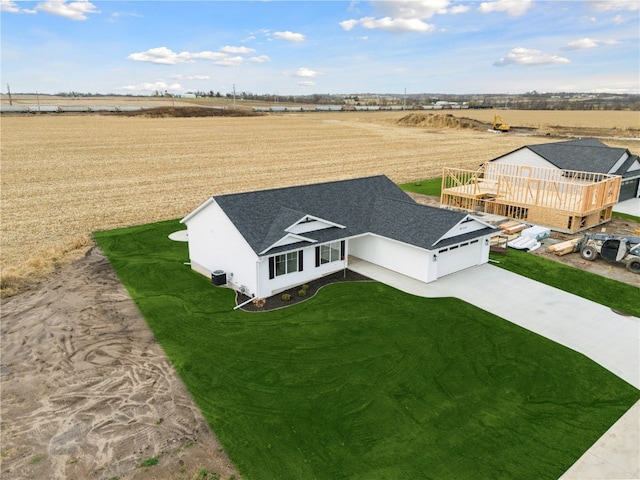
x,y
271,240
585,155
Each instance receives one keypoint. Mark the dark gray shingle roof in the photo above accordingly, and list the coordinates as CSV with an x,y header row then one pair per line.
x,y
371,204
586,155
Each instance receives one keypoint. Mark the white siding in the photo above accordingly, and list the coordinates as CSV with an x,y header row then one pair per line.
x,y
406,259
526,157
268,287
619,163
466,225
215,244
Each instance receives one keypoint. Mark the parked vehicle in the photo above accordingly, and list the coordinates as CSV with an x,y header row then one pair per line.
x,y
614,248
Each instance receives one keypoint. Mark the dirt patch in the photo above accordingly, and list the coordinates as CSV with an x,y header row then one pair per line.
x,y
600,266
437,120
178,112
87,392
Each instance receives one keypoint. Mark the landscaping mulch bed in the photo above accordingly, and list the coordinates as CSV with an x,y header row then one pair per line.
x,y
275,301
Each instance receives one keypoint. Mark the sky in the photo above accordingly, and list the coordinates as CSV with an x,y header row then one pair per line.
x,y
320,47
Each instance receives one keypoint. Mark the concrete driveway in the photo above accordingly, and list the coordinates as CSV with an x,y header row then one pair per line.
x,y
630,207
610,339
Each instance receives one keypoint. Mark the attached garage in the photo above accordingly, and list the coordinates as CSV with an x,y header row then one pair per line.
x,y
458,257
629,188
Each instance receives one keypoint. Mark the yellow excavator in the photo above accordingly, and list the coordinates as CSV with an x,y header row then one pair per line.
x,y
499,125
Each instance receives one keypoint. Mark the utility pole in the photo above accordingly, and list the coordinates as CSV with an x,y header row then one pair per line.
x,y
9,92
234,96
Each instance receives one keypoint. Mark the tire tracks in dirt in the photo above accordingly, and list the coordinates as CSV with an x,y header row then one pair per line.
x,y
87,392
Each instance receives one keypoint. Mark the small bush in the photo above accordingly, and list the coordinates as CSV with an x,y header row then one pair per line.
x,y
302,292
259,302
305,287
286,297
150,461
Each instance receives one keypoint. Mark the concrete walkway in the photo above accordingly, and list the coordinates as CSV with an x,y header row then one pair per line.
x,y
630,207
610,339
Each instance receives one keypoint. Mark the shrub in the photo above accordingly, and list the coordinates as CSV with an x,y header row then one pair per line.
x,y
305,287
286,297
302,292
150,461
259,302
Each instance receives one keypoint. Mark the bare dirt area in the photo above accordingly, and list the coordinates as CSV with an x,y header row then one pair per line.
x,y
87,392
600,266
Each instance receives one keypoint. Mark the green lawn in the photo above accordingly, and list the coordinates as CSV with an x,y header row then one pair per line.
x,y
366,382
431,186
617,295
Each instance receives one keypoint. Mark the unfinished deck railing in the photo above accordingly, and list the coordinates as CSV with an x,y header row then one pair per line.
x,y
565,200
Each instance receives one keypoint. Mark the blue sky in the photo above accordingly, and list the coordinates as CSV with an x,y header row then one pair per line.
x,y
307,47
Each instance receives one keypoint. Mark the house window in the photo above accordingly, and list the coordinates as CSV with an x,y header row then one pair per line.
x,y
330,252
286,263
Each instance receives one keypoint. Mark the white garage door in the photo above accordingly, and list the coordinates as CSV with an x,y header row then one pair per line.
x,y
458,257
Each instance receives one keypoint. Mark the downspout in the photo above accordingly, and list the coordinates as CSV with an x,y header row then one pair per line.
x,y
260,259
244,303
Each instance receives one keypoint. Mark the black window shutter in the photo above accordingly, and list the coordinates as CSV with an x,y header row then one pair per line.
x,y
272,267
317,257
342,249
300,261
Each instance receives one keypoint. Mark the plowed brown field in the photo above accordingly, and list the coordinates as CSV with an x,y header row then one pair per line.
x,y
66,176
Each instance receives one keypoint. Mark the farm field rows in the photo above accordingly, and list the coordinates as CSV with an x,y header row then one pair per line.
x,y
64,177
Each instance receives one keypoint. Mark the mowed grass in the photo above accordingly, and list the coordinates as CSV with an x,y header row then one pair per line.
x,y
605,291
363,381
431,186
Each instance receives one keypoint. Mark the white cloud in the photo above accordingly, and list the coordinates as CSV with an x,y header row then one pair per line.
x,y
581,44
166,56
306,83
396,24
529,57
305,72
74,10
604,5
160,86
348,24
411,9
9,6
260,59
403,15
618,20
237,50
455,10
289,36
230,62
513,7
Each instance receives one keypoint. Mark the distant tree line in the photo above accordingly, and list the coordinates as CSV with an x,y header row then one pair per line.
x,y
525,101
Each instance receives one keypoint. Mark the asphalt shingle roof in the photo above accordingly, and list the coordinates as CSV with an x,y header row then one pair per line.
x,y
586,155
363,205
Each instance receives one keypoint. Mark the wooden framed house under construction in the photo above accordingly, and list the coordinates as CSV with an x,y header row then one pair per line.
x,y
563,200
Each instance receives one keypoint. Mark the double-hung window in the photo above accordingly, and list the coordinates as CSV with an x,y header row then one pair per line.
x,y
285,263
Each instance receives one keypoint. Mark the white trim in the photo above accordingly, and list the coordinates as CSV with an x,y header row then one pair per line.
x,y
285,241
311,219
204,205
619,163
467,218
